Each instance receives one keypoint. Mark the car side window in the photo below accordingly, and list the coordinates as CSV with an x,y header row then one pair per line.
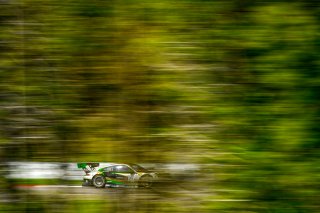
x,y
108,169
123,169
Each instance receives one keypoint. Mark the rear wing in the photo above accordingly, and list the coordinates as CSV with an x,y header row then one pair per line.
x,y
83,166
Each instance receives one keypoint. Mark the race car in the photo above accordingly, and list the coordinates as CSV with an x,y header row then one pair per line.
x,y
115,174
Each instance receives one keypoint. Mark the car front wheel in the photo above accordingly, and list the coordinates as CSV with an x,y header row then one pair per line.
x,y
145,181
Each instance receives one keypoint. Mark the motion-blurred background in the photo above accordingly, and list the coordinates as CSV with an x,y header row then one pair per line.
x,y
230,87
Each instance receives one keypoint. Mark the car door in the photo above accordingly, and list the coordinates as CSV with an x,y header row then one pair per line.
x,y
118,174
124,172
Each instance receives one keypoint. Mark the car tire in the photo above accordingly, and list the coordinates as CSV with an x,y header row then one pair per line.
x,y
145,181
99,181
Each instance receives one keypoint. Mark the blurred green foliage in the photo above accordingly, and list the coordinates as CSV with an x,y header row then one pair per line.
x,y
230,85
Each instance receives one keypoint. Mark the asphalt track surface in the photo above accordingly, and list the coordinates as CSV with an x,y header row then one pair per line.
x,y
131,196
113,195
85,192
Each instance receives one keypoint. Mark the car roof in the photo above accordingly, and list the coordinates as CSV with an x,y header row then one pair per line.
x,y
103,165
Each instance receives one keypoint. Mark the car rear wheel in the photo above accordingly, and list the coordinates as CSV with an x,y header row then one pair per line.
x,y
99,181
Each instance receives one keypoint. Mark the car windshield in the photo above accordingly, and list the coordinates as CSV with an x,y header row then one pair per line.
x,y
138,168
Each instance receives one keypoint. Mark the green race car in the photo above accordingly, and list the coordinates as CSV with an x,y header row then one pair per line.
x,y
115,174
